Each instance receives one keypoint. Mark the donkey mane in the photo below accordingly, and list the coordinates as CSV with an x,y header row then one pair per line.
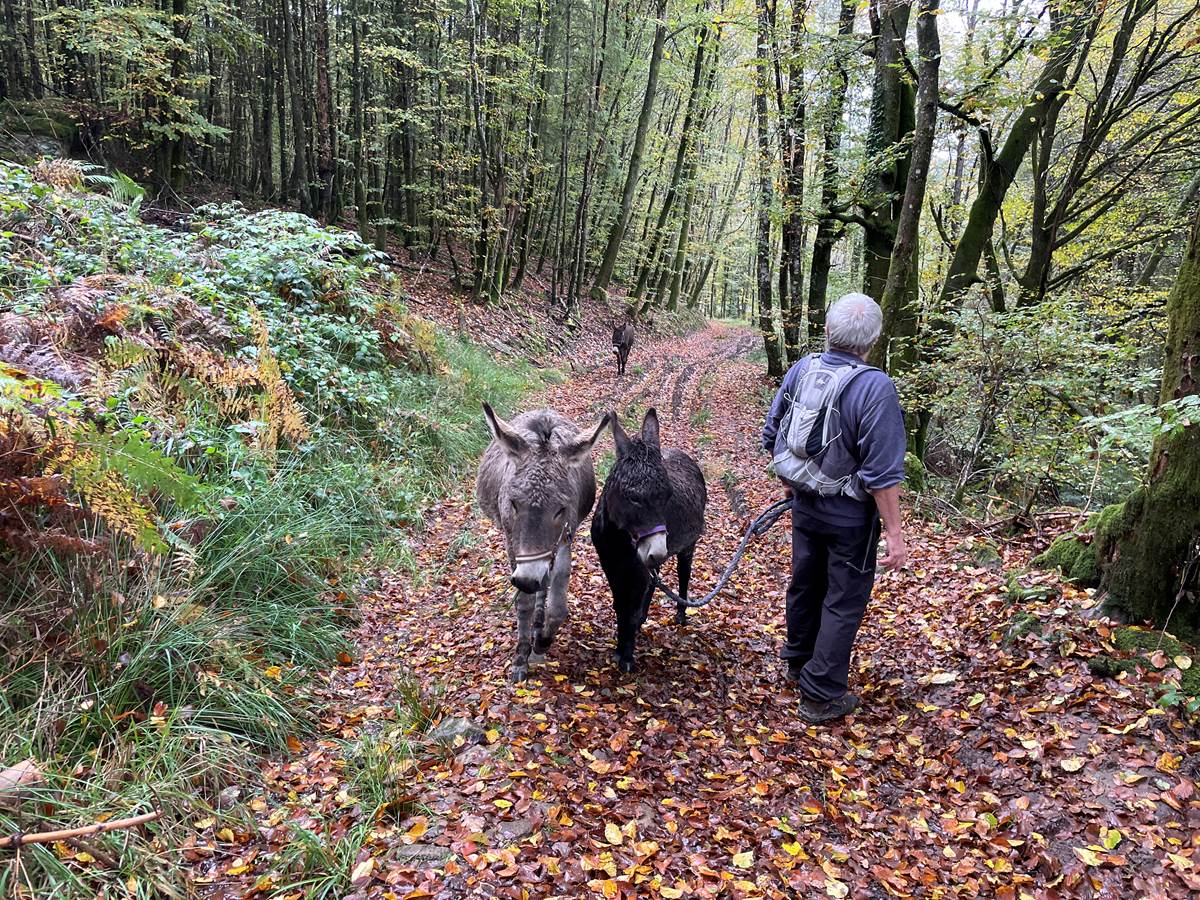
x,y
543,429
638,464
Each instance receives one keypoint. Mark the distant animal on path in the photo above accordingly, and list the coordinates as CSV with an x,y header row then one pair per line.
x,y
536,482
651,508
622,344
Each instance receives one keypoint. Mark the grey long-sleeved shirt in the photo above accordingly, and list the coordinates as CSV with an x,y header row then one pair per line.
x,y
872,442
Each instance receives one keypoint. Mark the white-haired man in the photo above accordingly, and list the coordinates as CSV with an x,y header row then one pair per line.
x,y
837,437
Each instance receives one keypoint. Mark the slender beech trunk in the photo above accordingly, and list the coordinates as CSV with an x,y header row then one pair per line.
x,y
896,348
791,229
326,125
766,191
298,179
686,138
616,234
828,229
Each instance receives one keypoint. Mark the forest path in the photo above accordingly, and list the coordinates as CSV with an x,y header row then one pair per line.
x,y
977,765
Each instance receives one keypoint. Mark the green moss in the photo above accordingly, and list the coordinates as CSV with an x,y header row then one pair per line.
x,y
1019,593
1130,639
915,476
1074,558
1105,666
1142,642
1023,623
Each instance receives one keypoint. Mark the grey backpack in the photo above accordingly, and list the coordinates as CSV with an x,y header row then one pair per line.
x,y
813,422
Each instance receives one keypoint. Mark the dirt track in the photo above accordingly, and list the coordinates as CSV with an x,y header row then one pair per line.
x,y
977,766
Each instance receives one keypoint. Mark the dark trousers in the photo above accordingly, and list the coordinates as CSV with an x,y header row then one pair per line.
x,y
833,571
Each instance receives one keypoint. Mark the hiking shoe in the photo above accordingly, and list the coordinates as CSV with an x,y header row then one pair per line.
x,y
816,713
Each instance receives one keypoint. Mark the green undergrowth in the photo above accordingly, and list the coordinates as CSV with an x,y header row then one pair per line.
x,y
212,437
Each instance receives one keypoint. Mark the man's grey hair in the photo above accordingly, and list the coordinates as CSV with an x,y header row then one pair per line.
x,y
853,324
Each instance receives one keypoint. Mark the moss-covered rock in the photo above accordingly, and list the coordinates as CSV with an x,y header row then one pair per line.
x,y
1105,666
1072,556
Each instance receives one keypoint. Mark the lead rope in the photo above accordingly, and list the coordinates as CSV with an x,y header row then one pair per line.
x,y
759,526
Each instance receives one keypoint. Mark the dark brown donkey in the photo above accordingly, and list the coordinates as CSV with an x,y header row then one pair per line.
x,y
652,508
622,344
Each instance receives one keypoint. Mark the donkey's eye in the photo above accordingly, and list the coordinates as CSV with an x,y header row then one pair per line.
x,y
513,505
559,515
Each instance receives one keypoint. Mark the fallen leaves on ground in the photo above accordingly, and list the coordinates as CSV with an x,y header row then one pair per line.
x,y
983,762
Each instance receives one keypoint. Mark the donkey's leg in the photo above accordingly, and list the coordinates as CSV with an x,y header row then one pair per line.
x,y
556,600
628,609
685,577
526,612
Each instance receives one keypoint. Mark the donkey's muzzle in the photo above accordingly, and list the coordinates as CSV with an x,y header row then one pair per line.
x,y
652,549
531,575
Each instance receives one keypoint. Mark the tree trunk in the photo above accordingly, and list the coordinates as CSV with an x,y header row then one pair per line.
x,y
325,124
828,230
686,138
298,180
1149,544
766,320
890,122
896,349
792,226
616,234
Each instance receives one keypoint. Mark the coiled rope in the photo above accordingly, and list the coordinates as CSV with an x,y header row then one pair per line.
x,y
759,526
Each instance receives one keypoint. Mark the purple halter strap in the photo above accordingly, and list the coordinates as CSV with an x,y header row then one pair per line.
x,y
639,536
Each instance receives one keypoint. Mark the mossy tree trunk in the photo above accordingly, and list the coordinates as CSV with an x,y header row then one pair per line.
x,y
1146,547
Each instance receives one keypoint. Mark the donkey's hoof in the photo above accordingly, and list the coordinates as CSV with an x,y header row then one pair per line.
x,y
519,673
536,659
681,615
625,665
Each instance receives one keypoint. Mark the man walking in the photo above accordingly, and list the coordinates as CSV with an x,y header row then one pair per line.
x,y
836,433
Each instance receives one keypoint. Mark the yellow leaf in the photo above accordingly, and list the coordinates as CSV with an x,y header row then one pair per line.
x,y
1183,662
362,871
418,828
492,735
612,834
208,822
792,848
836,889
1111,838
502,803
84,858
943,678
273,672
227,835
1181,861
239,869
1072,764
1088,857
671,893
744,860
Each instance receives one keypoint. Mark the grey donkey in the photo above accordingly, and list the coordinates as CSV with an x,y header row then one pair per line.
x,y
536,482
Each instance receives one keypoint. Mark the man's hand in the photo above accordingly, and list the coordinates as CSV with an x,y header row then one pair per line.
x,y
788,493
897,552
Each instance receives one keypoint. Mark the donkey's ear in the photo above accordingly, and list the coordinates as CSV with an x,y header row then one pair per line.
x,y
650,427
582,446
503,432
620,438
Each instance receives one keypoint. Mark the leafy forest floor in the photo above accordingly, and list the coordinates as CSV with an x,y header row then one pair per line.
x,y
987,758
